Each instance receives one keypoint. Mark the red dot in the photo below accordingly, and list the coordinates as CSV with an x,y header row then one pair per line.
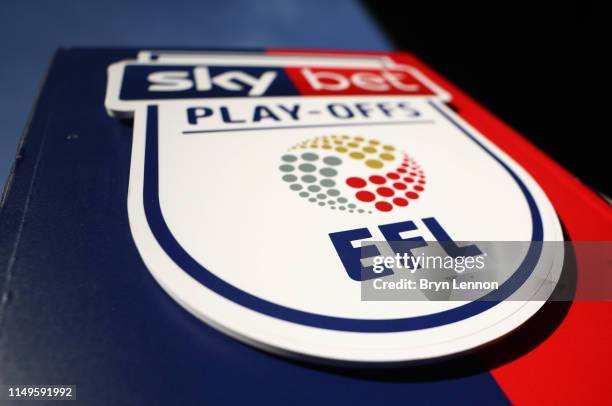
x,y
409,180
405,165
399,201
356,182
400,185
379,180
365,196
401,170
419,188
383,206
422,182
412,195
385,191
393,175
413,174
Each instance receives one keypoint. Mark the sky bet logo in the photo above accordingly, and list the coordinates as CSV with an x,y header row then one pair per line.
x,y
151,82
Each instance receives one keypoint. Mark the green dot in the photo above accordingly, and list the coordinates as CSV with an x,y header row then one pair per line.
x,y
286,168
351,211
306,167
312,199
360,210
289,158
304,194
331,202
342,200
333,192
314,188
332,207
321,203
342,208
309,179
329,172
295,187
351,206
309,156
326,182
321,196
289,178
332,161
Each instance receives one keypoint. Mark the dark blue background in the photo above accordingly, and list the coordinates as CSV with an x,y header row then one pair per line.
x,y
79,306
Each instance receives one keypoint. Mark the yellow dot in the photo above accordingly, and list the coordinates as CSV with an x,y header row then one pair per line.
x,y
334,136
341,149
369,150
374,142
358,139
389,148
374,163
353,144
314,146
345,137
338,142
326,146
356,155
387,157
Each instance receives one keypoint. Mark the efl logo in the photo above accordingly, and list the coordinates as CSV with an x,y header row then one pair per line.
x,y
351,257
378,176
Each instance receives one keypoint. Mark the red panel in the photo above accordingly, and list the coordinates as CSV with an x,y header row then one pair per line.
x,y
343,81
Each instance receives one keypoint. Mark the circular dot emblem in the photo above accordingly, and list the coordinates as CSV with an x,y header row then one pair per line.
x,y
388,178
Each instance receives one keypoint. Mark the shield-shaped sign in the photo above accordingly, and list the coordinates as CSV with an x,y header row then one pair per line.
x,y
255,180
